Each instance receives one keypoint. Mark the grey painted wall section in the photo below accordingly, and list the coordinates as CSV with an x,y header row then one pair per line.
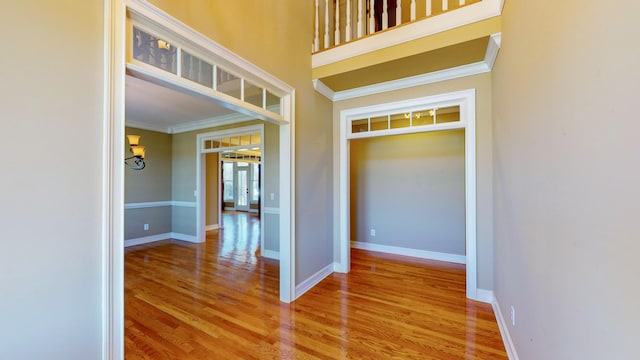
x,y
271,166
182,220
158,218
566,178
484,156
51,147
271,232
410,189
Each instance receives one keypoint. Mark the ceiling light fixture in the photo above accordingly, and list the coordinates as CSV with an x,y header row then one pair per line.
x,y
135,162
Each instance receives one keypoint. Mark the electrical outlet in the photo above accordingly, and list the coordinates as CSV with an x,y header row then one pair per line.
x,y
272,196
513,316
373,232
146,226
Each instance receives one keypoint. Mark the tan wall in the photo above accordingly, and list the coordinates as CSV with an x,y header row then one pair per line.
x,y
153,183
51,151
482,84
277,36
212,184
566,172
410,189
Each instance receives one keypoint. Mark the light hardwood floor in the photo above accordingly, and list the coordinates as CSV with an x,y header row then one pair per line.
x,y
218,300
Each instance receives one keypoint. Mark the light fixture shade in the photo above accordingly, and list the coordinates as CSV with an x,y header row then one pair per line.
x,y
138,151
133,139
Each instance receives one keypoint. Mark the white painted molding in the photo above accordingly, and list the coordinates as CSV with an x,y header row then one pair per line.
x,y
271,254
142,9
152,204
485,296
313,280
480,67
417,80
460,17
493,47
190,204
212,227
208,123
159,237
184,237
147,239
271,210
422,254
216,121
509,346
147,126
323,89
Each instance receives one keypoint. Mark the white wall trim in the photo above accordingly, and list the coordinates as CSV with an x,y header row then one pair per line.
x,y
477,68
417,80
271,210
313,280
212,227
270,254
152,204
185,237
407,32
504,331
189,204
147,239
493,47
147,126
485,296
112,252
422,254
323,89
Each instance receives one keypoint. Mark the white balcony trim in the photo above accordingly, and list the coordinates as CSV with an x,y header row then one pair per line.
x,y
429,78
460,17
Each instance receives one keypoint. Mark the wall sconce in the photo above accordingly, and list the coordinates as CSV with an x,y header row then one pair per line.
x,y
135,162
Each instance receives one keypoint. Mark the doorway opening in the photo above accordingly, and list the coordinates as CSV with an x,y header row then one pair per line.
x,y
410,117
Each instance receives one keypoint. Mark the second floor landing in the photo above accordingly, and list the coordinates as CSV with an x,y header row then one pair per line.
x,y
463,40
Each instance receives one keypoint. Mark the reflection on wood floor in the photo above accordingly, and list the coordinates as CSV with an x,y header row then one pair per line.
x,y
218,300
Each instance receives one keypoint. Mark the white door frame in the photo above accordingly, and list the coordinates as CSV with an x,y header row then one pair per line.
x,y
201,174
466,100
115,22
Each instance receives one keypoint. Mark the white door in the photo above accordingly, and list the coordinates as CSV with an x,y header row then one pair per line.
x,y
242,187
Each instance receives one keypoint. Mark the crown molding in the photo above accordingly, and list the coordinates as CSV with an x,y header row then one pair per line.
x,y
147,126
480,67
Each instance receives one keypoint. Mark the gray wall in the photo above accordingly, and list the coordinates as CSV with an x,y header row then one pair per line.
x,y
484,173
410,189
51,148
566,178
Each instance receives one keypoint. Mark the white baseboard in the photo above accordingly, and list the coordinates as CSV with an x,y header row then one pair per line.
x,y
313,280
160,237
146,239
485,296
423,254
271,254
504,331
212,227
184,237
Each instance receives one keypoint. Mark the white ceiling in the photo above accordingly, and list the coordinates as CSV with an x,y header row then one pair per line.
x,y
155,107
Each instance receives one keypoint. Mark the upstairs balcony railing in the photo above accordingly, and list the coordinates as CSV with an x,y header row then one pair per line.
x,y
348,20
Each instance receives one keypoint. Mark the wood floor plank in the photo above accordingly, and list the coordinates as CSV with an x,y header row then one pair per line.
x,y
218,300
